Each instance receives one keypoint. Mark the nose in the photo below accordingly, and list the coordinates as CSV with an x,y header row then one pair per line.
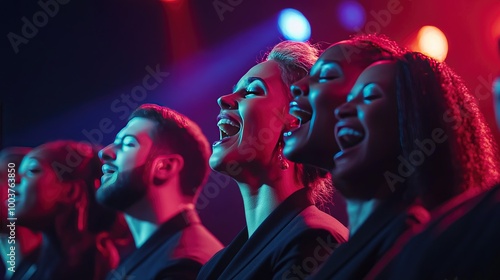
x,y
345,110
227,101
300,88
107,153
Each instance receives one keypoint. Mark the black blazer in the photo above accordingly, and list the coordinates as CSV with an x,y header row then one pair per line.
x,y
177,250
354,259
461,242
291,242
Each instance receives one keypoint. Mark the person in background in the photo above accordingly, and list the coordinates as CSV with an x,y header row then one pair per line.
x,y
26,242
56,196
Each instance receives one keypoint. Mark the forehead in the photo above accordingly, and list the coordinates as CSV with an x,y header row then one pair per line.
x,y
267,70
382,73
137,126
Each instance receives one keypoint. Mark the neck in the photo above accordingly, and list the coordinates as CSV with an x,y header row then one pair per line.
x,y
260,199
149,213
358,211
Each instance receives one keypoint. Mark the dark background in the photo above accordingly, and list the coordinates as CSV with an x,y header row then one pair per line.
x,y
63,81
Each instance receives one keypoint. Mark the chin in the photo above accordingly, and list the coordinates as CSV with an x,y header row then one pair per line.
x,y
215,164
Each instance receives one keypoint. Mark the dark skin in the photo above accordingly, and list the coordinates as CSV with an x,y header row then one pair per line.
x,y
368,135
317,95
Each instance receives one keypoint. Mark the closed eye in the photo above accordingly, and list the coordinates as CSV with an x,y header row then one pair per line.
x,y
372,97
371,92
326,79
129,141
328,72
249,93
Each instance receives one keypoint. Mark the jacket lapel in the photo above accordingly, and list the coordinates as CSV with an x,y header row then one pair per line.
x,y
375,224
264,234
160,237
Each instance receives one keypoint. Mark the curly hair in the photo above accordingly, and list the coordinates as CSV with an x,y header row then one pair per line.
x,y
430,95
295,60
178,134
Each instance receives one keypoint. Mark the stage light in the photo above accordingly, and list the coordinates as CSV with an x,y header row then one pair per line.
x,y
351,15
294,25
432,42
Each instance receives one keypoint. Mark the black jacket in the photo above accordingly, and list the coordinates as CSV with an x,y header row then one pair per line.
x,y
177,250
291,243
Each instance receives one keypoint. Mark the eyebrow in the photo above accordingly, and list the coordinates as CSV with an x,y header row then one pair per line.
x,y
127,135
329,61
251,80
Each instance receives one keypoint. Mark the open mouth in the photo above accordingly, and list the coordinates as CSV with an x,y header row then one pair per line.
x,y
228,127
348,136
301,112
108,169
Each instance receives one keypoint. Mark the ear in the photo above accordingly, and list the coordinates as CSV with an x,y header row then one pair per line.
x,y
71,192
166,166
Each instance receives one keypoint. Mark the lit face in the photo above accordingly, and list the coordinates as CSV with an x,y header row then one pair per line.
x,y
124,165
40,191
251,121
367,133
315,99
496,94
9,177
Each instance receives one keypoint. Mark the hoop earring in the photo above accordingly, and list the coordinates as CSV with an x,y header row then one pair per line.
x,y
283,163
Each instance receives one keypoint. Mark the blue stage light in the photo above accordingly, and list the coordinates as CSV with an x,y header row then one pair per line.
x,y
351,15
294,25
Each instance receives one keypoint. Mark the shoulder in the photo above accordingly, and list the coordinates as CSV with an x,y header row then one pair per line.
x,y
311,220
415,215
197,243
180,269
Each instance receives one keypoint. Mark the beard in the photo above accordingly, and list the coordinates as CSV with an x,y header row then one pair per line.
x,y
126,189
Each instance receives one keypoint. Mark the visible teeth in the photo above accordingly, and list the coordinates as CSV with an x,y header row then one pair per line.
x,y
349,131
228,127
228,121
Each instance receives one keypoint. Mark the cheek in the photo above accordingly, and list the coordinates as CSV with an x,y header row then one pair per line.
x,y
385,132
132,159
47,194
265,119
